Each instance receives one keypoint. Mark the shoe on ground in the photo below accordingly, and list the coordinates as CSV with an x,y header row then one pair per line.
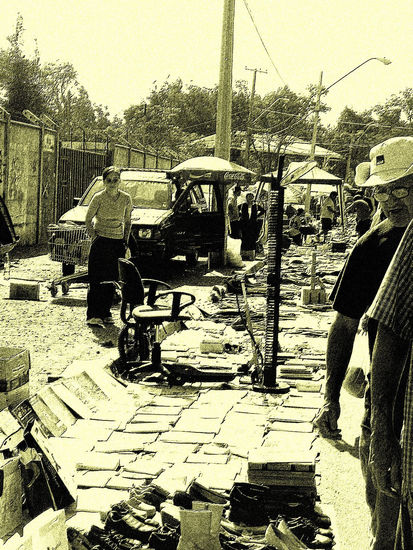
x,y
129,526
95,322
109,320
306,532
283,539
110,540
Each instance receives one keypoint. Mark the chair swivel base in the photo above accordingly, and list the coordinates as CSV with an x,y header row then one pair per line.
x,y
278,387
180,373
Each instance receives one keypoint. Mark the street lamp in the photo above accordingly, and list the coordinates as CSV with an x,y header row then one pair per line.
x,y
321,90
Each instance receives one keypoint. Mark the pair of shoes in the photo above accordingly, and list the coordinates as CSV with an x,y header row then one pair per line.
x,y
126,524
109,320
141,514
141,506
199,492
166,538
305,530
111,541
150,494
95,322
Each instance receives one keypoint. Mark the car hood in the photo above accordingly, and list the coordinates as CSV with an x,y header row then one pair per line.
x,y
149,216
140,216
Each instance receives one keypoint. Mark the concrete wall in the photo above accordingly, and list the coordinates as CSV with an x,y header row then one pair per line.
x,y
28,178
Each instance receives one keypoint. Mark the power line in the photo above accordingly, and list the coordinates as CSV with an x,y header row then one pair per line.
x,y
262,42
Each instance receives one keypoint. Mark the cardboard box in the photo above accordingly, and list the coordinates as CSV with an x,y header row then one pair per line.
x,y
24,290
14,376
11,497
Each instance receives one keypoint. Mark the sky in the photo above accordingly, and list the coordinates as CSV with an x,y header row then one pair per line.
x,y
119,48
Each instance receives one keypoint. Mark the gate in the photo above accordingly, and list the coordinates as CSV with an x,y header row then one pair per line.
x,y
77,168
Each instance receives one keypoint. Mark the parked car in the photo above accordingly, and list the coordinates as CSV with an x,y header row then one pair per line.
x,y
164,224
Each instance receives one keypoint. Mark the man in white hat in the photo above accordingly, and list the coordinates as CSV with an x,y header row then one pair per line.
x,y
391,461
390,172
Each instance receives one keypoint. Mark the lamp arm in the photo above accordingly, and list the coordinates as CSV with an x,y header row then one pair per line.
x,y
382,60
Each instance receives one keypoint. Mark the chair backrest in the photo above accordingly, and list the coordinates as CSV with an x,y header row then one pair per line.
x,y
133,292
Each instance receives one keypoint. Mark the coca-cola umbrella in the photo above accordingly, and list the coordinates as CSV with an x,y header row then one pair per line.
x,y
212,169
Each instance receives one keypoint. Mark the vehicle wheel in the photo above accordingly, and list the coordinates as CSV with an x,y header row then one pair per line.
x,y
192,258
53,290
65,288
133,345
67,269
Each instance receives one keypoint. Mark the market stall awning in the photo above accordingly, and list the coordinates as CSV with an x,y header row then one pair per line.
x,y
212,168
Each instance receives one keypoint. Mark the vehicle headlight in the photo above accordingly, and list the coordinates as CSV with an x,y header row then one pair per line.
x,y
145,233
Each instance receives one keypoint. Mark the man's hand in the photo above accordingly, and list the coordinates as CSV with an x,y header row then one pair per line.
x,y
326,420
385,462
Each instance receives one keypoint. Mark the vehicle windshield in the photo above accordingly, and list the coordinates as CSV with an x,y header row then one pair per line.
x,y
145,194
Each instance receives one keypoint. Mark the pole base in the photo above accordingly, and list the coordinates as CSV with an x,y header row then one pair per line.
x,y
280,387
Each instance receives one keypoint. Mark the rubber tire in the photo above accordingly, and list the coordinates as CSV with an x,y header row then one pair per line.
x,y
192,258
132,345
67,269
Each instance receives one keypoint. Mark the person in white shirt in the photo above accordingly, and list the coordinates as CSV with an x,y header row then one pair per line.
x,y
108,223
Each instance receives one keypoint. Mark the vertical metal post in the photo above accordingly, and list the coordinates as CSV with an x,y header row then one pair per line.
x,y
275,227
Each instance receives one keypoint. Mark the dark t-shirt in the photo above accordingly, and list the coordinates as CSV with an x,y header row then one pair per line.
x,y
360,278
359,281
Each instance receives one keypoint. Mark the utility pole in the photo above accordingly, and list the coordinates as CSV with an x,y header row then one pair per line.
x,y
314,138
224,111
249,129
224,105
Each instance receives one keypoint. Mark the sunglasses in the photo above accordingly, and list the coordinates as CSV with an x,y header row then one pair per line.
x,y
398,192
113,179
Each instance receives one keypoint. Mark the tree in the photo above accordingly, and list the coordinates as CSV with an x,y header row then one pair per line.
x,y
20,77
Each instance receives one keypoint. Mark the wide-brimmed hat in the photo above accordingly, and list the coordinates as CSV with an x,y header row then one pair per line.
x,y
390,161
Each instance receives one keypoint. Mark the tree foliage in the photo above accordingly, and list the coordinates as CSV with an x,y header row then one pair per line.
x,y
175,115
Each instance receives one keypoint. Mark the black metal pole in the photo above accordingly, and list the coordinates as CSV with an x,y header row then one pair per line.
x,y
275,228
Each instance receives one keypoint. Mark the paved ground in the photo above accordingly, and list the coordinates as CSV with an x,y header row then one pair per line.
x,y
54,331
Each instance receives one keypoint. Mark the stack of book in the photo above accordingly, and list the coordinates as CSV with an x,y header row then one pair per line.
x,y
284,469
296,371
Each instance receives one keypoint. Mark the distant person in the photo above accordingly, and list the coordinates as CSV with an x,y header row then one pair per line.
x,y
108,223
295,227
328,213
290,211
363,215
233,213
250,227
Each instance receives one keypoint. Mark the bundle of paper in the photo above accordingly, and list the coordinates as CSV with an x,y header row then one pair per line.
x,y
282,468
295,371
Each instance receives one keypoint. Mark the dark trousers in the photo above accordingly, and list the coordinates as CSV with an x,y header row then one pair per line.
x,y
103,266
235,229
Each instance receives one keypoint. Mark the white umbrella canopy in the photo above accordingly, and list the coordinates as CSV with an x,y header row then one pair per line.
x,y
212,168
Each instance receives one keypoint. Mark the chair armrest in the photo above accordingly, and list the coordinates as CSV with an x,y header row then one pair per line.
x,y
177,306
153,287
